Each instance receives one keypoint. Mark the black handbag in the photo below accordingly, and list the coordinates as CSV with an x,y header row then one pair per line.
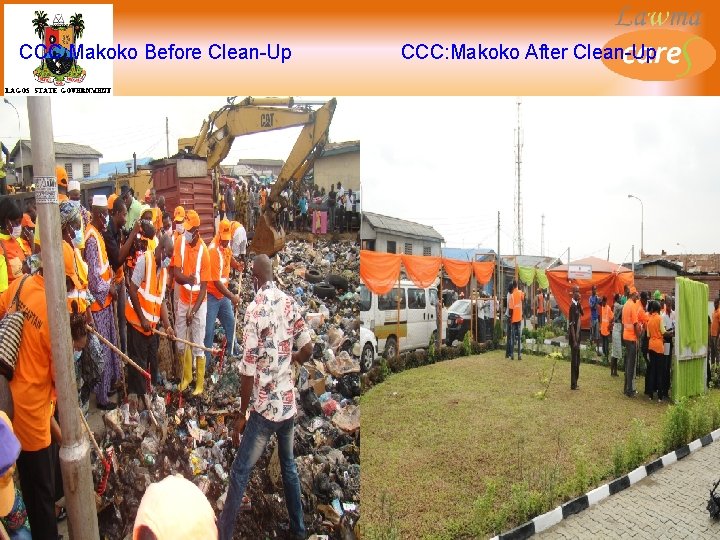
x,y
11,329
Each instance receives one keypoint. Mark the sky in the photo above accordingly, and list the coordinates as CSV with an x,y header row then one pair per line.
x,y
119,126
449,162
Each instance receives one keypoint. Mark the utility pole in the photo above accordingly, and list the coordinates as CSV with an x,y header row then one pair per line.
x,y
518,193
633,258
75,449
608,257
500,284
167,137
542,236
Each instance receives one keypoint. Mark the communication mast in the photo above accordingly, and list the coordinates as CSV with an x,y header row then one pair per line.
x,y
518,192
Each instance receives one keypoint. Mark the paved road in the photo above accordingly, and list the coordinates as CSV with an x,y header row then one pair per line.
x,y
668,504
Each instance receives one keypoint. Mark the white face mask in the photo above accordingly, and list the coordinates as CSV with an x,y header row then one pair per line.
x,y
180,227
16,231
188,237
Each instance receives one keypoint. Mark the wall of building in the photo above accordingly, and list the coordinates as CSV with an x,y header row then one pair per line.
x,y
343,168
656,270
77,166
417,246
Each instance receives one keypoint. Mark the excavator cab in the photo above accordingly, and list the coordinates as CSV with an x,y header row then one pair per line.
x,y
268,239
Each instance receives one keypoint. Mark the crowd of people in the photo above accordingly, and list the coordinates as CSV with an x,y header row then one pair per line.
x,y
242,202
132,268
636,325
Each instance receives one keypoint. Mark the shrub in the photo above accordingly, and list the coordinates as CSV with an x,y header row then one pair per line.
x,y
702,417
677,429
466,346
384,370
618,460
396,364
638,445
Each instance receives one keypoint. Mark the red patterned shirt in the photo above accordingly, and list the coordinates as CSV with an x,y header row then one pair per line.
x,y
272,324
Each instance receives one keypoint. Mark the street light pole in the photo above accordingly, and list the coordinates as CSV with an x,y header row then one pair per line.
x,y
22,163
75,448
642,225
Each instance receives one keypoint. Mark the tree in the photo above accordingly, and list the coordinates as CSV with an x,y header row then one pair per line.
x,y
39,23
76,21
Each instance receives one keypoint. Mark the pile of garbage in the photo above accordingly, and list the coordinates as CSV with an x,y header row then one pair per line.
x,y
172,433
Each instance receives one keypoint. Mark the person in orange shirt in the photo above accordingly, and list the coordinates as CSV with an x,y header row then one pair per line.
x,y
220,300
516,298
714,332
11,248
606,317
631,331
656,333
62,185
191,263
28,234
32,386
540,308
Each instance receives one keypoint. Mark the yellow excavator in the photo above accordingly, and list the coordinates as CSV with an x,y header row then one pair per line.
x,y
255,115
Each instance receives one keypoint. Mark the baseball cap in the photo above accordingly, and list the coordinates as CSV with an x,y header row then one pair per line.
x,y
9,452
145,208
179,214
234,226
61,175
176,509
224,230
111,200
27,221
69,260
192,219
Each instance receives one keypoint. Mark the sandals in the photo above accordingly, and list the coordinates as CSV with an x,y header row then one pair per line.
x,y
62,515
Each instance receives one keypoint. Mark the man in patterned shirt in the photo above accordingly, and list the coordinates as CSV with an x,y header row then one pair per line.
x,y
273,323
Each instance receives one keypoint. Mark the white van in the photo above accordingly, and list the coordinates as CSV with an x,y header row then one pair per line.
x,y
418,321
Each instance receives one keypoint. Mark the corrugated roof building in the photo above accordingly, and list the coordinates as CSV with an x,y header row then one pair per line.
x,y
394,235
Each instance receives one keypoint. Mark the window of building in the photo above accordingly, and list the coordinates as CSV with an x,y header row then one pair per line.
x,y
86,170
391,246
416,298
408,248
68,170
368,245
427,251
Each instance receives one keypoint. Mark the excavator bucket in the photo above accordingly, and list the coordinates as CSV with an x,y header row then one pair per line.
x,y
267,239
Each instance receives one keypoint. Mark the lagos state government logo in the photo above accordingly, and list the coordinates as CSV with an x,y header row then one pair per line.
x,y
58,63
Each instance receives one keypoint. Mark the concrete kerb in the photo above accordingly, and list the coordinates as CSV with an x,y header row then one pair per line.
x,y
574,506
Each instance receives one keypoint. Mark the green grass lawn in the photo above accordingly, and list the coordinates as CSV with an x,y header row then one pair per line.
x,y
434,436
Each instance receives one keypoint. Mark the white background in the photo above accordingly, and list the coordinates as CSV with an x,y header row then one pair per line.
x,y
19,29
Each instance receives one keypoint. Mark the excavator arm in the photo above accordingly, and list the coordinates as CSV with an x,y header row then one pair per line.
x,y
269,238
256,115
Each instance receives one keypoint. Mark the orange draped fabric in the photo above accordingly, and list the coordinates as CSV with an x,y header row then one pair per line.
x,y
379,271
607,285
458,271
483,271
421,270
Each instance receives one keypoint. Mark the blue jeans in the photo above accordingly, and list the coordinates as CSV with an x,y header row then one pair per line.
x,y
219,309
515,336
252,445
